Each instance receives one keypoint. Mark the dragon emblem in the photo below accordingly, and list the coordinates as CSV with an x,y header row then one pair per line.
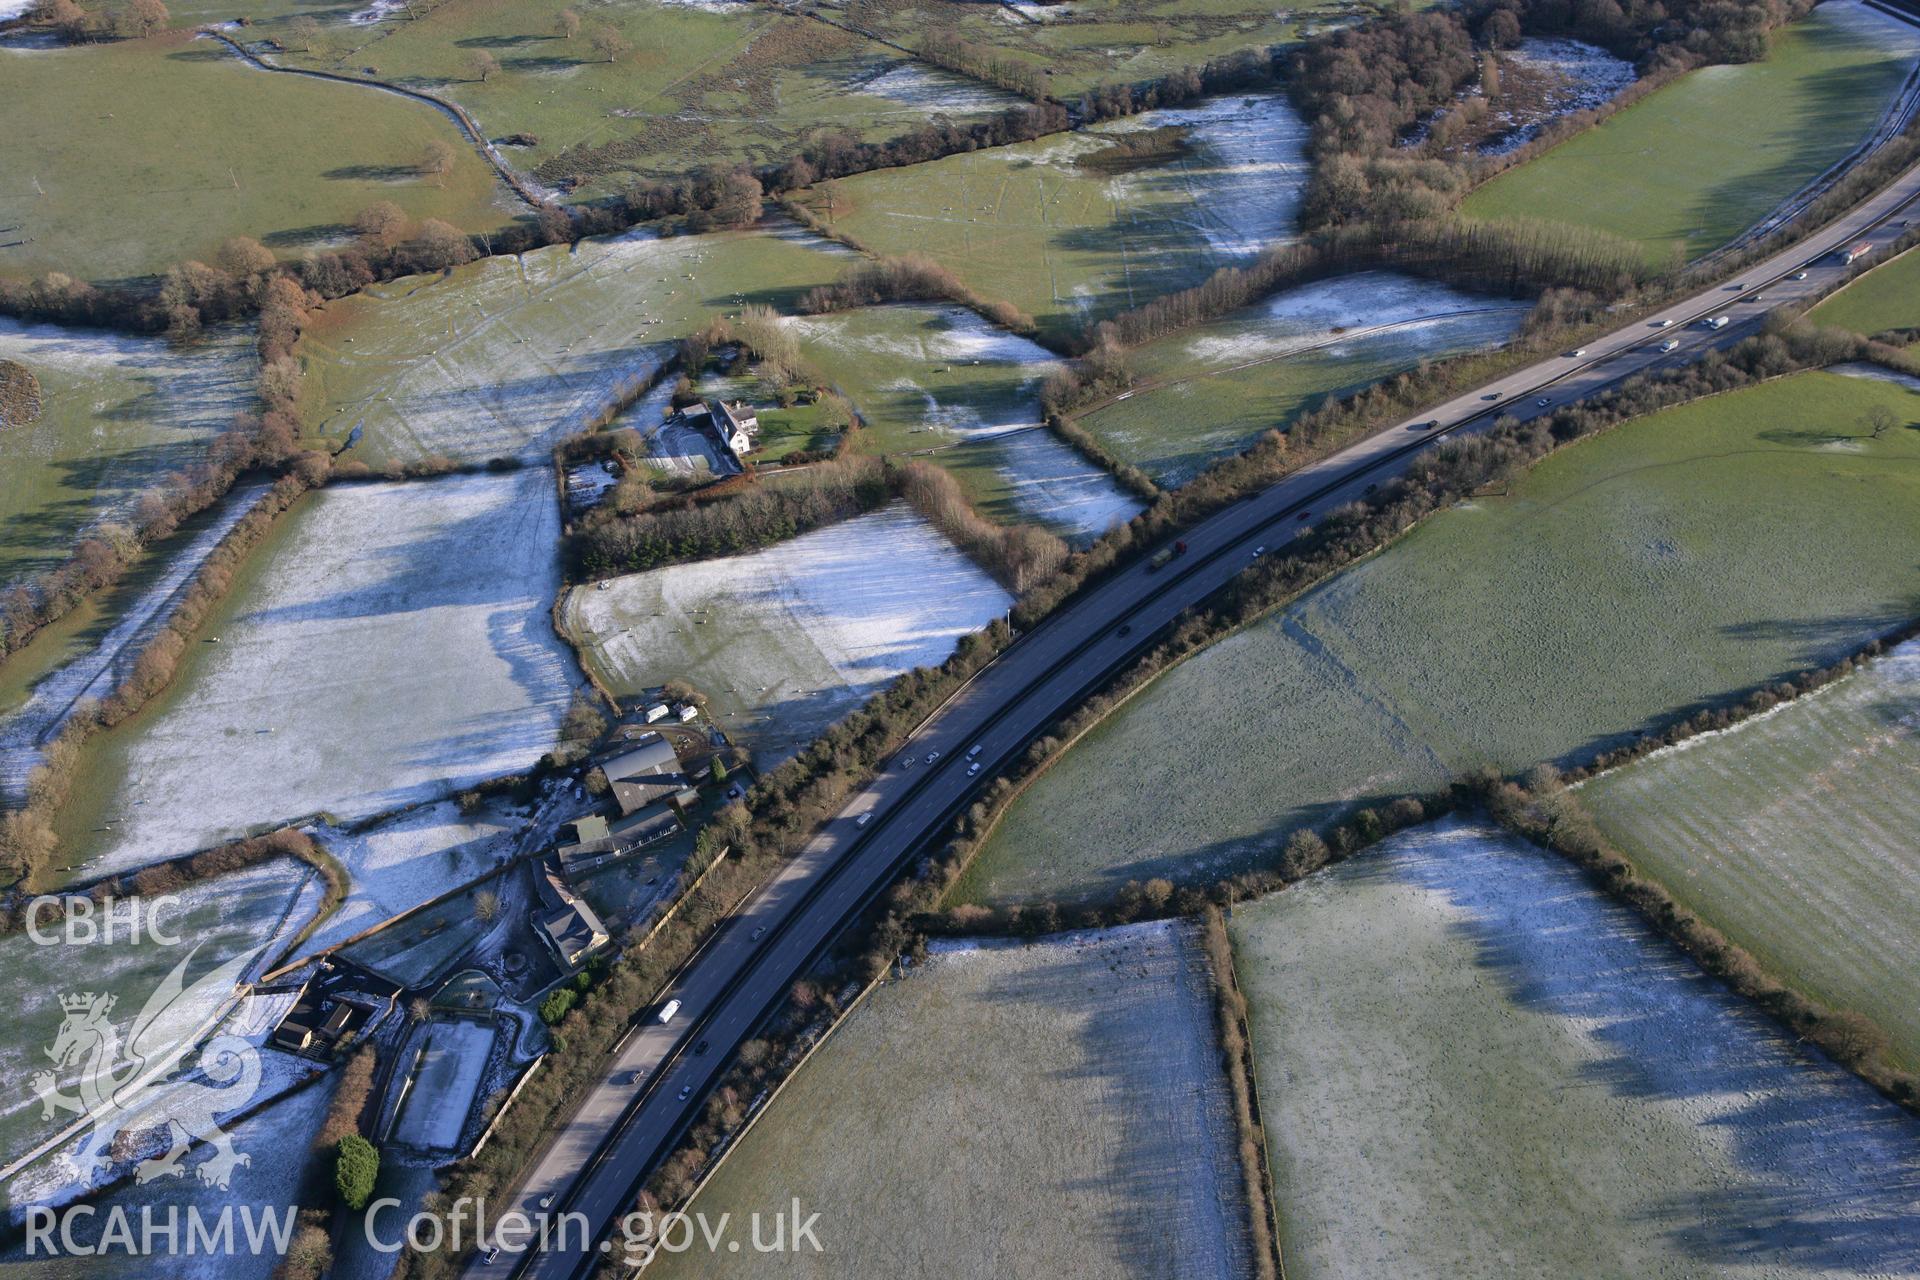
x,y
129,1080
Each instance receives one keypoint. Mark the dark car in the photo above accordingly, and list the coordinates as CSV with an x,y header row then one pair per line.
x,y
1126,628
701,1047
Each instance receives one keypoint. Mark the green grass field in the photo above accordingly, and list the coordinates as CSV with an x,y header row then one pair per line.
x,y
1053,1108
117,414
1069,241
1472,1066
1213,389
1705,158
1887,297
1662,565
1794,834
699,84
119,160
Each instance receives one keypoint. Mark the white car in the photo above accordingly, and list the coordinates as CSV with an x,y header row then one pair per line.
x,y
1799,275
973,768
863,820
1576,353
1664,324
932,756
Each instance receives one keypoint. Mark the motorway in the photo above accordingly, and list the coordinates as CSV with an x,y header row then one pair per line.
x,y
656,1085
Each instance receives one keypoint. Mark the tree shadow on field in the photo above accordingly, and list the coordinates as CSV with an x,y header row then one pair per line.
x,y
211,51
1825,1172
1815,642
495,42
373,173
316,233
1164,1179
534,63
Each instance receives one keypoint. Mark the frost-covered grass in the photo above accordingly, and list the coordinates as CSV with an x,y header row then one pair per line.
x,y
1212,390
390,645
445,1079
1663,565
941,383
397,864
1047,1109
117,413
1887,297
124,158
503,357
1083,44
249,912
1472,1065
1038,226
787,640
1796,835
1666,172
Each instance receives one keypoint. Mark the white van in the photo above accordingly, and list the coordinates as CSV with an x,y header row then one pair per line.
x,y
668,1009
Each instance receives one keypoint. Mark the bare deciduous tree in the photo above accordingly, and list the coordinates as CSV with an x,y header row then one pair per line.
x,y
141,18
303,33
383,224
243,256
436,161
486,906
567,25
609,44
481,65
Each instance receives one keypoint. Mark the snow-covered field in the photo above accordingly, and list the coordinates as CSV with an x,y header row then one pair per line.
x,y
242,920
501,358
445,1080
1214,389
934,368
1249,175
277,1142
1573,75
1331,314
927,90
1056,486
1472,1064
393,647
116,414
787,640
927,376
1889,31
400,863
1043,1108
